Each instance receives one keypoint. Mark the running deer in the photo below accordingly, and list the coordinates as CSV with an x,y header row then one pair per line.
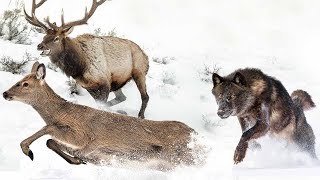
x,y
100,64
82,134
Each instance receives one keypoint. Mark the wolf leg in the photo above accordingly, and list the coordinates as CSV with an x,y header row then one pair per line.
x,y
258,130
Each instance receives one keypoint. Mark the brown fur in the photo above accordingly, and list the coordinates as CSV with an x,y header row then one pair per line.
x,y
259,99
100,64
91,135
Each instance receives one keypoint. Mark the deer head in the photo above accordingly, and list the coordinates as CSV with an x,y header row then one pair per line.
x,y
53,40
27,90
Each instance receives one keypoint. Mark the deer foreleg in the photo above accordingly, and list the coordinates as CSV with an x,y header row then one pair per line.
x,y
27,142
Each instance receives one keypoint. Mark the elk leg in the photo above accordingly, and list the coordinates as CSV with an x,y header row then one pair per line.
x,y
120,97
27,142
140,80
101,93
54,146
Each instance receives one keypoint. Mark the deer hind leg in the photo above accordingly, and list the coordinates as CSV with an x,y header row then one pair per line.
x,y
120,97
140,80
57,148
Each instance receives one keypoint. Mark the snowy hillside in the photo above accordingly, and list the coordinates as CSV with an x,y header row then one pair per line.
x,y
181,40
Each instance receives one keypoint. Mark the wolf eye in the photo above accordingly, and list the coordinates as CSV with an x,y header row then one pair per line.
x,y
25,84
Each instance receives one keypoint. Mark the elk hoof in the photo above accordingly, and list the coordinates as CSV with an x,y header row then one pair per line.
x,y
141,116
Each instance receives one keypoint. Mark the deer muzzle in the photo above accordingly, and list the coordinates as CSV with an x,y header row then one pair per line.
x,y
7,97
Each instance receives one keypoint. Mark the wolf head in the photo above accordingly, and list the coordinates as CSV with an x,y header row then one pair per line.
x,y
233,96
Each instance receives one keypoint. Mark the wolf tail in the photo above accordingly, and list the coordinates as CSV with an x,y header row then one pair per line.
x,y
303,99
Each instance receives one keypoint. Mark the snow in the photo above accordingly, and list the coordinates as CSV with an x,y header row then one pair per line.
x,y
279,37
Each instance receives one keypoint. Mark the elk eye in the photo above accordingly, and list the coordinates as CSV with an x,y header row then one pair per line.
x,y
56,39
25,84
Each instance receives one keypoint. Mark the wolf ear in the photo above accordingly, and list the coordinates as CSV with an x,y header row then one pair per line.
x,y
239,79
216,79
41,71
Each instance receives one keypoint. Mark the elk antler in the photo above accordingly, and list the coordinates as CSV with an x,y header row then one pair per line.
x,y
82,21
33,19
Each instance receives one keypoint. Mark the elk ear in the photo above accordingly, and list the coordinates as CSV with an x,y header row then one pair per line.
x,y
239,79
216,79
41,71
67,31
35,67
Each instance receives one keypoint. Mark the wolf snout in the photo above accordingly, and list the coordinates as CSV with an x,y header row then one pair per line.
x,y
220,112
223,113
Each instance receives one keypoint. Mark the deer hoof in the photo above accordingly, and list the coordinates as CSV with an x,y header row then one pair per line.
x,y
30,154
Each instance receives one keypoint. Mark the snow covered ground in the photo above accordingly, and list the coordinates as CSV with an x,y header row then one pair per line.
x,y
279,37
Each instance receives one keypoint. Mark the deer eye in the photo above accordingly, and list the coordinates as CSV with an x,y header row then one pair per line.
x,y
56,39
25,84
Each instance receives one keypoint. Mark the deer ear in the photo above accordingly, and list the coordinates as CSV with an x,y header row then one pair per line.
x,y
67,31
239,79
35,67
41,71
216,79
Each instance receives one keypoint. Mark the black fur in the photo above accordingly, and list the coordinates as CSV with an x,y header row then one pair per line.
x,y
262,100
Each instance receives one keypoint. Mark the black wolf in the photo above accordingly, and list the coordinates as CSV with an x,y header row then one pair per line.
x,y
256,98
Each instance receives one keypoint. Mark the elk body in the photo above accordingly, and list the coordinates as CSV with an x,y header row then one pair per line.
x,y
100,64
91,135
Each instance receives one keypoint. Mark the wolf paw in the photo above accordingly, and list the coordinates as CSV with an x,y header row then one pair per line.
x,y
240,152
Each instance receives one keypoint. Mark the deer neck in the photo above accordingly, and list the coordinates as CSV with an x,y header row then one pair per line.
x,y
71,59
50,106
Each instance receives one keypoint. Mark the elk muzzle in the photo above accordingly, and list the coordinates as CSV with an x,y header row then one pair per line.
x,y
44,49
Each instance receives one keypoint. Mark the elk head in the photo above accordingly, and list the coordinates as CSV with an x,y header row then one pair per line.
x,y
52,42
28,89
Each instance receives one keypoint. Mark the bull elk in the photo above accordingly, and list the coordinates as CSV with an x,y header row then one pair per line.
x,y
82,134
100,64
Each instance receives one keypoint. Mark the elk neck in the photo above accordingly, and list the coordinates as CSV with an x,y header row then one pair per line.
x,y
71,59
50,106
